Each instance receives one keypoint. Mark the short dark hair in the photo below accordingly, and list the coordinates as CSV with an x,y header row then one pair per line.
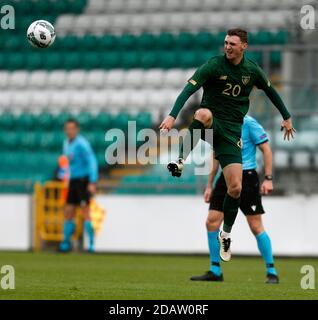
x,y
72,120
241,33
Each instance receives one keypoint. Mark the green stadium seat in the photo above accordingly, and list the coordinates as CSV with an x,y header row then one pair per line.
x,y
7,120
87,42
121,120
12,43
127,42
25,121
77,6
10,141
276,57
72,60
99,143
59,7
52,60
29,141
15,61
107,42
167,59
185,40
68,43
204,40
47,141
144,120
219,38
255,56
148,59
60,119
130,59
100,156
91,60
203,56
44,120
146,41
110,60
165,41
187,59
85,120
280,37
102,121
34,60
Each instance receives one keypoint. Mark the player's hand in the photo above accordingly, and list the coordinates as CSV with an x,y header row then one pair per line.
x,y
267,187
207,194
288,128
91,188
167,124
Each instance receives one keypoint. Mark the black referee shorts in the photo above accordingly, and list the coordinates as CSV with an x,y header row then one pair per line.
x,y
251,199
78,194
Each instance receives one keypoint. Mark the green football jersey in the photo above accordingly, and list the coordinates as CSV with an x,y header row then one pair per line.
x,y
226,87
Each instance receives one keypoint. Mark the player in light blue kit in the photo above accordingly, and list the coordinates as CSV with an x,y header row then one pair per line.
x,y
82,184
253,135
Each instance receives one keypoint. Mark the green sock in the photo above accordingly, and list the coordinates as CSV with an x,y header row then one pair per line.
x,y
230,209
190,140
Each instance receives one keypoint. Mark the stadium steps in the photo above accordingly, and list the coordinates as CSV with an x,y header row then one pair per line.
x,y
143,6
164,50
120,23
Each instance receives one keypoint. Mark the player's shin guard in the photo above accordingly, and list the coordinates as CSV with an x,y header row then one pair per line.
x,y
68,230
265,248
230,209
214,248
91,236
191,138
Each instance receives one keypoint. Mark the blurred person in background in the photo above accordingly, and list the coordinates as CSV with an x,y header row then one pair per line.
x,y
253,136
82,183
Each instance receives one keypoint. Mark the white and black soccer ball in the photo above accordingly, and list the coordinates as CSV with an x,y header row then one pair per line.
x,y
41,34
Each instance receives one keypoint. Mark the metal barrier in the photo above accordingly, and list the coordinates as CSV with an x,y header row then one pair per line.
x,y
48,204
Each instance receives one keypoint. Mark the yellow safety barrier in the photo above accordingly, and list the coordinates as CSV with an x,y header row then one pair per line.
x,y
49,216
48,203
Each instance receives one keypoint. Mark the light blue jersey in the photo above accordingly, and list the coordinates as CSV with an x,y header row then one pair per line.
x,y
253,134
82,159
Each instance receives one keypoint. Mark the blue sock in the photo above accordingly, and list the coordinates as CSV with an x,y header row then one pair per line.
x,y
68,229
265,248
214,248
90,232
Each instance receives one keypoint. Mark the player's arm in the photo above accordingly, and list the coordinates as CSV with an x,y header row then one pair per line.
x,y
208,190
267,185
193,85
264,84
91,161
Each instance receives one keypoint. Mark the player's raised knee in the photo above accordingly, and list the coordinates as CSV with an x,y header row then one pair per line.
x,y
234,189
205,116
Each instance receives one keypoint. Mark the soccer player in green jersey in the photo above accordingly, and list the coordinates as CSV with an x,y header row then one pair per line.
x,y
227,82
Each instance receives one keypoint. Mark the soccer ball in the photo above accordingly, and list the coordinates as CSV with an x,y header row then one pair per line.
x,y
41,34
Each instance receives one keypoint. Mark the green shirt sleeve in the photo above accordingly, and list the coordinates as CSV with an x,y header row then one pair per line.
x,y
205,72
263,83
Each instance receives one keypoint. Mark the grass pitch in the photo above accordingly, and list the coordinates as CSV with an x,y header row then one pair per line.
x,y
110,276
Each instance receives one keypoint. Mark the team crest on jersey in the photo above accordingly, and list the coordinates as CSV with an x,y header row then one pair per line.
x,y
246,79
240,143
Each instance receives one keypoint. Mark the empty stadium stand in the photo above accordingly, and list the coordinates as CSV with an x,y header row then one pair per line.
x,y
119,60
